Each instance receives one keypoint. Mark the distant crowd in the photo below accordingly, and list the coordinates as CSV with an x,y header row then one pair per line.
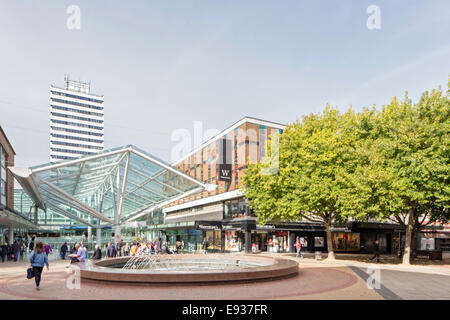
x,y
16,250
78,252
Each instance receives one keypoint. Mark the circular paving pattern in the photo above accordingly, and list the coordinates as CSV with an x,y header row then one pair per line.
x,y
53,287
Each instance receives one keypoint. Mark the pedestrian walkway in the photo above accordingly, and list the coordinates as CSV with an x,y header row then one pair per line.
x,y
340,261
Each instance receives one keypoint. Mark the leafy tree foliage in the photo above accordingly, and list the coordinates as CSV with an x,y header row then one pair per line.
x,y
391,164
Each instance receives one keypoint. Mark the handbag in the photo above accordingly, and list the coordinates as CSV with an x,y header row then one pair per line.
x,y
30,273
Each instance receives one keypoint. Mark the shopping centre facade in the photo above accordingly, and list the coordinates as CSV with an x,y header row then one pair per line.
x,y
225,219
126,193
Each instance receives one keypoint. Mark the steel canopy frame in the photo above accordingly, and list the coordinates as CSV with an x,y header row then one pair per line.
x,y
130,181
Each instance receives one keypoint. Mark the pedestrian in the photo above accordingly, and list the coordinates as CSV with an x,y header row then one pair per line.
x,y
74,256
37,259
15,249
205,245
126,249
81,253
120,246
158,246
97,253
109,251
31,246
133,249
48,249
298,245
4,251
164,248
152,246
376,251
22,249
63,250
114,252
178,247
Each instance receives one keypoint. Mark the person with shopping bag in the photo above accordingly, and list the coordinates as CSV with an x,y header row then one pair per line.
x,y
37,259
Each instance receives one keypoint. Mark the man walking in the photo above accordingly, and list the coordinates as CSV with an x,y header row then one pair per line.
x,y
63,251
15,250
205,245
4,251
376,251
158,245
109,251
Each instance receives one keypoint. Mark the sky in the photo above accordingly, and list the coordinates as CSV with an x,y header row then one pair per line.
x,y
161,65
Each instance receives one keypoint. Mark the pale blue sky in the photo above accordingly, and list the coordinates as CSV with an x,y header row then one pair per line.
x,y
163,64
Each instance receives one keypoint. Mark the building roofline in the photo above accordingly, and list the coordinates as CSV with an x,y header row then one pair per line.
x,y
7,140
229,129
81,93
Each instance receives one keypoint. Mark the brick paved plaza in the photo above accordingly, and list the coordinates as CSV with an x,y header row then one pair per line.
x,y
317,280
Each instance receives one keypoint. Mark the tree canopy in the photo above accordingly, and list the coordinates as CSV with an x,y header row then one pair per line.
x,y
389,164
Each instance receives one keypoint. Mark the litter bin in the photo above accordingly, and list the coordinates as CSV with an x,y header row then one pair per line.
x,y
318,255
435,255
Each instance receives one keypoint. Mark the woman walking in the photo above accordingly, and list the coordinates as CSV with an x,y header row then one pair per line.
x,y
37,259
48,249
298,245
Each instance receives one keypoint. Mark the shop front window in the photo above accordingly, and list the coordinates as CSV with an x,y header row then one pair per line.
x,y
278,241
319,242
233,241
344,241
214,240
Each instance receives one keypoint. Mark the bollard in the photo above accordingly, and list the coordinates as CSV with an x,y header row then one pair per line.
x,y
318,255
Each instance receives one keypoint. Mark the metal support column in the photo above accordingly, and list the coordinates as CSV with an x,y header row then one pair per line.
x,y
99,235
11,235
89,234
35,214
248,241
222,241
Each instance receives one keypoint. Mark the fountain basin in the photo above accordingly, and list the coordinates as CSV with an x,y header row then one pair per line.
x,y
192,268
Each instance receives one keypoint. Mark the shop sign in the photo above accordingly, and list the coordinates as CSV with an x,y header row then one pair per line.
x,y
340,229
266,226
231,228
281,233
224,172
203,227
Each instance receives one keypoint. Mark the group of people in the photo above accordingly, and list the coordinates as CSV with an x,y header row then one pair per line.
x,y
140,247
18,248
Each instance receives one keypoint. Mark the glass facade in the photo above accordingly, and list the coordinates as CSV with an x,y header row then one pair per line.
x,y
3,184
89,189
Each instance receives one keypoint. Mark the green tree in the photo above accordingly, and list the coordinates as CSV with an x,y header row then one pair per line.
x,y
313,155
402,171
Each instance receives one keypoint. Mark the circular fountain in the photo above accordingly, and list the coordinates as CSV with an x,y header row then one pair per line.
x,y
188,268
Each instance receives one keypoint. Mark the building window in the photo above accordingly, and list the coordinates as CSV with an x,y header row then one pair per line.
x,y
234,209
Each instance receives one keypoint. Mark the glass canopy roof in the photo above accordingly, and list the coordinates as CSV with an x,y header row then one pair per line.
x,y
109,187
25,205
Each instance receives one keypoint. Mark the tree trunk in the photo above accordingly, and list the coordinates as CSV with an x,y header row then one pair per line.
x,y
329,241
414,243
409,231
